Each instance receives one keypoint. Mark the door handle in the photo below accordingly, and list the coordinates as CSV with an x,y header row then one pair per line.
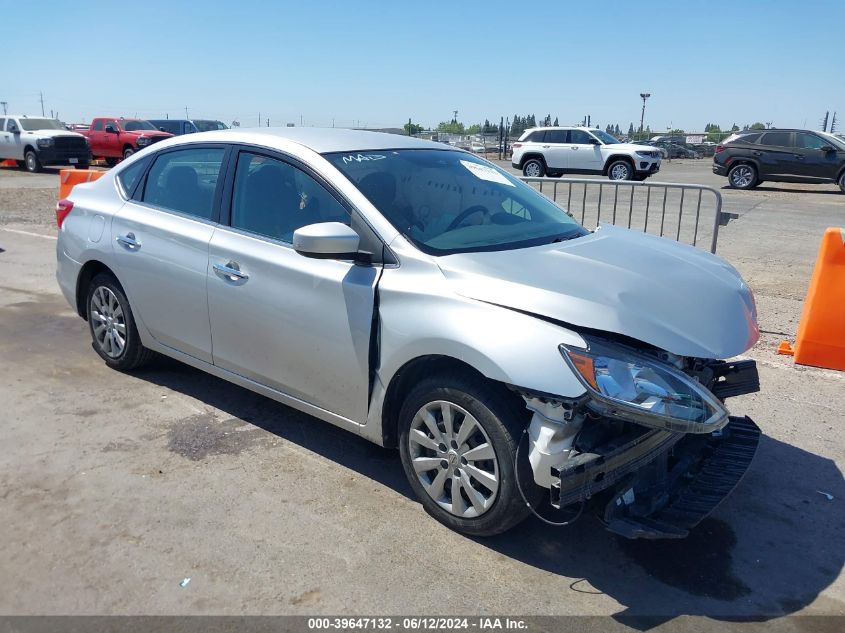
x,y
545,147
128,241
575,148
230,271
799,156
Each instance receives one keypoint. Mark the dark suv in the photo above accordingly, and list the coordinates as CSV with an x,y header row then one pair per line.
x,y
751,157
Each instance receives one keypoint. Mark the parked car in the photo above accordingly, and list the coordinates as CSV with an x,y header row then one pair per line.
x,y
676,150
442,306
555,151
36,141
752,157
188,126
115,138
478,148
77,127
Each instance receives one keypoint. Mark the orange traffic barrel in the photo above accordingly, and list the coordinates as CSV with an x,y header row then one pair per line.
x,y
820,341
8,163
70,177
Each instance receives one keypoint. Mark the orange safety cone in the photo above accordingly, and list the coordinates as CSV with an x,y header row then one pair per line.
x,y
820,341
70,177
8,163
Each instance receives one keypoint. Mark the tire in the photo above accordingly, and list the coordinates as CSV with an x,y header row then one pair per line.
x,y
743,176
128,152
111,162
110,318
620,170
842,182
495,422
31,162
82,166
534,168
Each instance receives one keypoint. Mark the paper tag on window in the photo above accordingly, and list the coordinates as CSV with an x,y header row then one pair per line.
x,y
485,172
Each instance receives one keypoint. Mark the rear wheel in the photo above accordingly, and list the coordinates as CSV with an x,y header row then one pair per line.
x,y
842,181
742,176
112,326
458,438
620,170
534,168
30,159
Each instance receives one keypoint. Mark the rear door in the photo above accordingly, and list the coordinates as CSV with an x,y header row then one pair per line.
x,y
96,136
160,239
584,155
555,149
12,144
812,162
775,154
296,324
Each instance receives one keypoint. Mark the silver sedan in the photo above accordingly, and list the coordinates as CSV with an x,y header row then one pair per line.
x,y
425,299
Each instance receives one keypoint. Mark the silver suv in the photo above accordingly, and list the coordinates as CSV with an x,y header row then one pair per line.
x,y
425,299
554,151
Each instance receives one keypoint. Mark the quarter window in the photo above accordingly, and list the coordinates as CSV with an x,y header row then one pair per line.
x,y
556,136
273,198
130,176
809,141
781,139
536,137
185,180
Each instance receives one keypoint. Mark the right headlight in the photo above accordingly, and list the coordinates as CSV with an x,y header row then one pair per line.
x,y
629,386
143,141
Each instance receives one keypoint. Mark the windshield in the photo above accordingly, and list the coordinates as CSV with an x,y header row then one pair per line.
x,y
836,141
133,125
209,126
604,137
446,201
40,124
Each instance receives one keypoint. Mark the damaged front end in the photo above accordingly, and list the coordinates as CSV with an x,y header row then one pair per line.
x,y
650,447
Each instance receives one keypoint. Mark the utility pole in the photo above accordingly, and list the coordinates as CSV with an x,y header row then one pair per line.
x,y
454,116
824,121
186,113
643,96
259,119
268,122
41,94
300,120
833,124
4,104
410,129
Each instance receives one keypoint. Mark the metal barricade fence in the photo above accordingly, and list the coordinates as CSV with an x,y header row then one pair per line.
x,y
663,208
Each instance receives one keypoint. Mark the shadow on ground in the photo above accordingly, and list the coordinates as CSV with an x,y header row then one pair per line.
x,y
770,550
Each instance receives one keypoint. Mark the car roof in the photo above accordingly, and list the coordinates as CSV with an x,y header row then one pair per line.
x,y
561,127
320,140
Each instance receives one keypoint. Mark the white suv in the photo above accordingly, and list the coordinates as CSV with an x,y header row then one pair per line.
x,y
553,151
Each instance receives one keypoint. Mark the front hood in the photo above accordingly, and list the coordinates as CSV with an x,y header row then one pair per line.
x,y
631,147
53,133
675,297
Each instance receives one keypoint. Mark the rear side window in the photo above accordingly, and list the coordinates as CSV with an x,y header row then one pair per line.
x,y
168,126
185,180
780,139
556,136
273,198
129,177
98,125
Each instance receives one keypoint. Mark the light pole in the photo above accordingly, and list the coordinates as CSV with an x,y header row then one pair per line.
x,y
643,96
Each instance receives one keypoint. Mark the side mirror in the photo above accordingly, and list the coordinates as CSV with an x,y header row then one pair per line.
x,y
326,240
161,129
828,148
14,129
594,141
112,129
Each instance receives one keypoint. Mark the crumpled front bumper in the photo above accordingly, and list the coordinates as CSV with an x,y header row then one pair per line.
x,y
662,484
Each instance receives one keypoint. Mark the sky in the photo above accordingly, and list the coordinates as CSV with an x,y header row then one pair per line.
x,y
378,63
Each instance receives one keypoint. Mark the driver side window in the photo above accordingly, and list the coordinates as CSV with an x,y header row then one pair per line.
x,y
579,137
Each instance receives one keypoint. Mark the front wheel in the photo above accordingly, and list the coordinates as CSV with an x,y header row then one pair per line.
x,y
742,176
534,168
620,170
111,162
112,326
30,159
842,181
457,438
128,152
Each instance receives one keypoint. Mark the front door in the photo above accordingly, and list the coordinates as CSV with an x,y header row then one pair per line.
x,y
295,324
161,242
584,152
813,163
12,146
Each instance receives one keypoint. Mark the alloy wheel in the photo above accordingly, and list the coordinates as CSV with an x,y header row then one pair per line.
x,y
30,161
454,459
532,169
619,172
108,322
742,176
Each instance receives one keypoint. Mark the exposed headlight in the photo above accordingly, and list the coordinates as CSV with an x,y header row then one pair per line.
x,y
45,142
647,154
636,388
143,141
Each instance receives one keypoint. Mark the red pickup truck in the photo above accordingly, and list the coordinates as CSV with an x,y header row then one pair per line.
x,y
115,138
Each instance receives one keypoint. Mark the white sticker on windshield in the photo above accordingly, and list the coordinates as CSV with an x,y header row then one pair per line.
x,y
359,158
485,172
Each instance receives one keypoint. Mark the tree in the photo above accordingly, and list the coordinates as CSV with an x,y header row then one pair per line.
x,y
617,131
415,129
475,128
451,127
531,121
631,131
489,128
714,132
758,126
555,123
734,128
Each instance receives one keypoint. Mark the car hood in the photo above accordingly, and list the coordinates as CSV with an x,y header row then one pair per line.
x,y
52,133
675,297
630,147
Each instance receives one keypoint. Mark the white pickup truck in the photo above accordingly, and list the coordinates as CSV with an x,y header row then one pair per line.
x,y
554,151
38,141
